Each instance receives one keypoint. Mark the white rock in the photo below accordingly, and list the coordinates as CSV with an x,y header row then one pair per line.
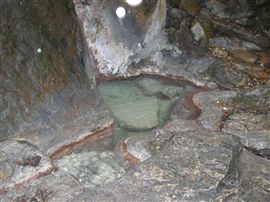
x,y
198,31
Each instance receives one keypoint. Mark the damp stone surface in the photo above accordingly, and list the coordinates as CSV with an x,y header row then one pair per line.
x,y
141,104
91,168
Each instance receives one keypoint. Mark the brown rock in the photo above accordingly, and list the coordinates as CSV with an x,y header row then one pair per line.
x,y
265,59
258,74
184,37
253,70
190,6
244,55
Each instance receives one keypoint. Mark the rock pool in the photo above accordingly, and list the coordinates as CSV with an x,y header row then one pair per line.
x,y
138,105
143,103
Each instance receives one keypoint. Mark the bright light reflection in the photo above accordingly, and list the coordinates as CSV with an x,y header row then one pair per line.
x,y
134,2
120,12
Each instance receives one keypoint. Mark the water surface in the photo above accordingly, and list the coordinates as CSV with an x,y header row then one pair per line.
x,y
144,103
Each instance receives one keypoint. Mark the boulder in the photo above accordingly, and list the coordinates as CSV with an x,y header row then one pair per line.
x,y
253,130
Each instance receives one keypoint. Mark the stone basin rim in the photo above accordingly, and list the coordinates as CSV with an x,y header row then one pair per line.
x,y
101,77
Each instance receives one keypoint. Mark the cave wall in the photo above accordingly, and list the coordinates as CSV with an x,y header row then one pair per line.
x,y
45,88
115,43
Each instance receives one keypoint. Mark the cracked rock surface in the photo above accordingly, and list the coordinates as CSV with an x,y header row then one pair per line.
x,y
188,166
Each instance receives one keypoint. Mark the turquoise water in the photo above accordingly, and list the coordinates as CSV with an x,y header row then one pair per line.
x,y
141,104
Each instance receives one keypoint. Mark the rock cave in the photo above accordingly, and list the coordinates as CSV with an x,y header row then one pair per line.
x,y
134,100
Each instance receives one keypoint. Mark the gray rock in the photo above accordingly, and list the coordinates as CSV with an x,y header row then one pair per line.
x,y
184,38
20,162
46,97
253,130
56,187
198,31
188,164
181,125
225,77
143,148
247,180
238,10
211,111
152,87
91,168
114,41
233,43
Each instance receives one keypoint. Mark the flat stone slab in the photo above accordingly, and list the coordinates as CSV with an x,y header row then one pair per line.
x,y
20,162
143,148
253,130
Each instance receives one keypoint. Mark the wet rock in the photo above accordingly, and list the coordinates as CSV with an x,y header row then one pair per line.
x,y
254,101
91,168
198,31
207,25
253,70
174,18
181,125
21,162
254,35
184,109
49,99
253,130
190,6
174,173
133,35
142,148
244,56
224,76
138,148
58,186
265,59
152,87
232,43
239,10
184,38
211,112
247,180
